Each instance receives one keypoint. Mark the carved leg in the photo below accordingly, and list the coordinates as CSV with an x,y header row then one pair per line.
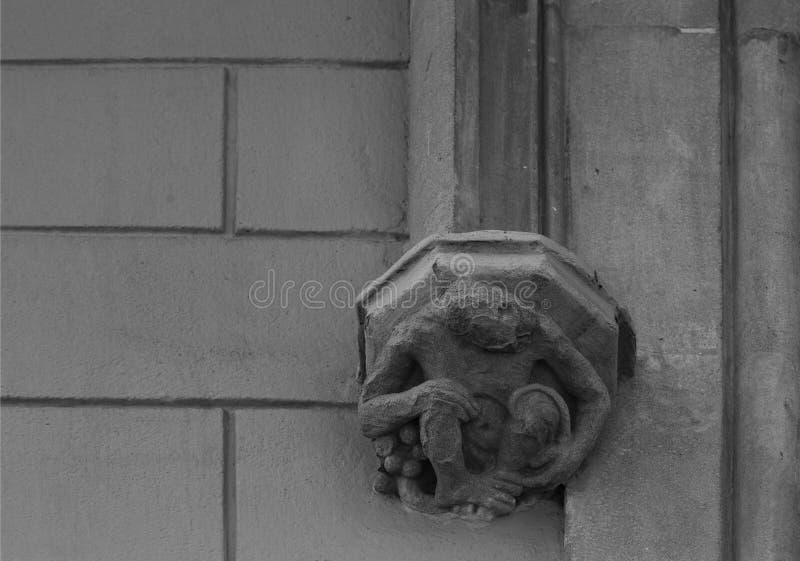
x,y
440,432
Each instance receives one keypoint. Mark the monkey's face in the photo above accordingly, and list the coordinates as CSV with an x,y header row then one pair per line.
x,y
488,317
498,329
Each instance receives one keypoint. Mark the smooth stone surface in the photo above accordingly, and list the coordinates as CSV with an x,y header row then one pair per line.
x,y
767,519
304,492
673,13
91,484
170,316
333,29
650,490
644,145
431,92
443,121
130,146
321,149
756,16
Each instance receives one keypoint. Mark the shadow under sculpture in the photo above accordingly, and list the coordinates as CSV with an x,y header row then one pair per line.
x,y
488,364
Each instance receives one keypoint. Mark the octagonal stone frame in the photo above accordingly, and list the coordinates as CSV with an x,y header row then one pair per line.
x,y
545,281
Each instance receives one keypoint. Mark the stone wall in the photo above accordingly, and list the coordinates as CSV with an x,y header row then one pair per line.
x,y
158,159
168,167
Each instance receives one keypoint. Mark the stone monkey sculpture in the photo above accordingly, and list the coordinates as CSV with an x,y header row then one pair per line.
x,y
462,368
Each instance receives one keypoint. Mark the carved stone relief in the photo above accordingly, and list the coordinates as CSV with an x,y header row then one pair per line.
x,y
488,364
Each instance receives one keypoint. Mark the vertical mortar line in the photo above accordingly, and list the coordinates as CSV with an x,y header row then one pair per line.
x,y
230,156
553,202
228,485
728,239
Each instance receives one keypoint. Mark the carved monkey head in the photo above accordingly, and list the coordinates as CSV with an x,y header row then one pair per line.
x,y
488,316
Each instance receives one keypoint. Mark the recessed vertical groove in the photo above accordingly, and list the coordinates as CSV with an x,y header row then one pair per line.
x,y
553,211
229,485
538,210
508,113
729,219
229,151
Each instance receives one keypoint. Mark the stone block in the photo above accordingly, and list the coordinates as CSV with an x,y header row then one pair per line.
x,y
88,484
767,329
303,492
754,17
333,29
171,316
321,149
645,151
443,118
127,147
651,490
691,14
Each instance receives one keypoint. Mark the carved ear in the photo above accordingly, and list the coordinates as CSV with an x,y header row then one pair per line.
x,y
565,423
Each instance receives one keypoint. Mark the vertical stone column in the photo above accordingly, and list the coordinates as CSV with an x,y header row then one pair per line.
x,y
766,276
644,187
474,109
443,117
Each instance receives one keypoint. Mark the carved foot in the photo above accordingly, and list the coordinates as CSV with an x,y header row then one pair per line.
x,y
493,492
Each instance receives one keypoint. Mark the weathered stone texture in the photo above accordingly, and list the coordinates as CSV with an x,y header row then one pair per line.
x,y
767,346
321,149
673,13
756,16
332,29
112,147
95,484
644,149
138,316
304,493
650,490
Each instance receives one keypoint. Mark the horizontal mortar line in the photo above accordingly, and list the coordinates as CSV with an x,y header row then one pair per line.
x,y
649,351
766,33
325,62
709,30
175,231
350,234
189,402
115,229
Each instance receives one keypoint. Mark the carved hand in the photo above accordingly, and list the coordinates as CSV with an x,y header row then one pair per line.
x,y
450,392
